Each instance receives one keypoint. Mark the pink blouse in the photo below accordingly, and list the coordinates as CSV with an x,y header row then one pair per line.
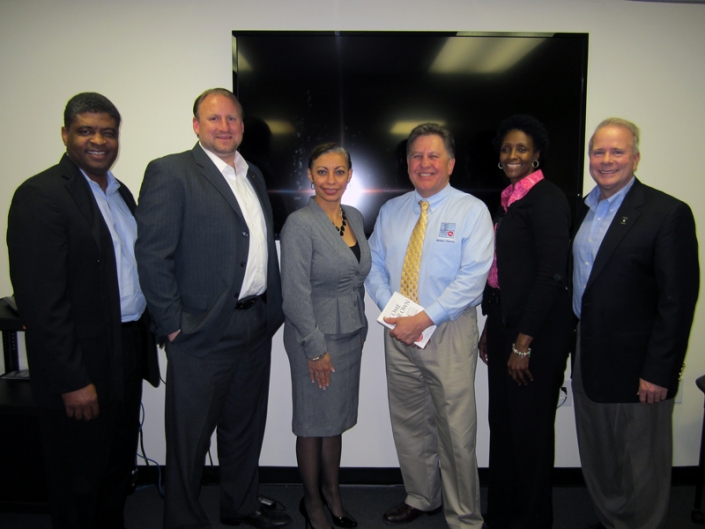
x,y
511,194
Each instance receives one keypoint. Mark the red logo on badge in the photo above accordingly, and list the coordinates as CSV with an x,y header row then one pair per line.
x,y
450,233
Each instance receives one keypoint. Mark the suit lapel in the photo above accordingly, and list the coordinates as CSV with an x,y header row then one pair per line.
x,y
210,172
328,228
127,197
624,219
261,192
359,229
79,189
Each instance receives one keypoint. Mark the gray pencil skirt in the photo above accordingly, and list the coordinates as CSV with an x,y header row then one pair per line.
x,y
319,413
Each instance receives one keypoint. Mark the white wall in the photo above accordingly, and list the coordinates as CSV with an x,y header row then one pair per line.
x,y
152,59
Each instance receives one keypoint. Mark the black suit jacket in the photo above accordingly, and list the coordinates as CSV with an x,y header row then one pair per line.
x,y
192,249
638,305
63,271
532,246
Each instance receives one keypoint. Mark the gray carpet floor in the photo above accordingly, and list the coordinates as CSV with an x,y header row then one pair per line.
x,y
367,503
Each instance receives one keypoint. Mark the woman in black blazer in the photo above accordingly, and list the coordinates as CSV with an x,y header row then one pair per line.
x,y
526,339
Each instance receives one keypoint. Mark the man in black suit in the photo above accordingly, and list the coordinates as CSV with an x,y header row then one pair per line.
x,y
636,279
208,267
70,237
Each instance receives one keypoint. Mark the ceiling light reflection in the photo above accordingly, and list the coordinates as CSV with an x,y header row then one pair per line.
x,y
404,127
488,55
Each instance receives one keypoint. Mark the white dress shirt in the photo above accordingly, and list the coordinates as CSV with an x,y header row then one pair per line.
x,y
255,281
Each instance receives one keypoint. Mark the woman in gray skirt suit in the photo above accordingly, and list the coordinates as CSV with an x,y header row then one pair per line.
x,y
325,260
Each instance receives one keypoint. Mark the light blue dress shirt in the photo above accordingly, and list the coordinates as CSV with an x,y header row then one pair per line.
x,y
589,237
123,230
457,251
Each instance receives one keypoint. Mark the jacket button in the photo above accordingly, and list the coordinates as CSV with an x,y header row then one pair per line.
x,y
243,263
557,277
237,295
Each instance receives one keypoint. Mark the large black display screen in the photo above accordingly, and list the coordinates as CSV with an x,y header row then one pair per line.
x,y
367,90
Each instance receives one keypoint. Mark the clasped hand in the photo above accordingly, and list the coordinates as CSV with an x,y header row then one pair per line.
x,y
409,329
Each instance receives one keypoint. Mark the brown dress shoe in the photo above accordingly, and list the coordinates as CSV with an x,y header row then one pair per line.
x,y
402,513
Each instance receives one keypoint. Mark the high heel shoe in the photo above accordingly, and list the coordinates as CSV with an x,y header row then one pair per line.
x,y
304,513
346,521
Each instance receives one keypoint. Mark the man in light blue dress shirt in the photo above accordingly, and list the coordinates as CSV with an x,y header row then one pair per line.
x,y
635,285
431,390
71,235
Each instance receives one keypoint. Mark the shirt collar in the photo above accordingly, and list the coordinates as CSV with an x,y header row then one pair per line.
x,y
593,198
241,166
433,200
517,191
113,184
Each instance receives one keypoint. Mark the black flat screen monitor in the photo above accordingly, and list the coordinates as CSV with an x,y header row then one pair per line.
x,y
367,90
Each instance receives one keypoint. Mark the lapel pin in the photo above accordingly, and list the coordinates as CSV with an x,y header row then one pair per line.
x,y
624,220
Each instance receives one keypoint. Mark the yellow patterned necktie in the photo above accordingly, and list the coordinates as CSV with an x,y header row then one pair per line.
x,y
412,260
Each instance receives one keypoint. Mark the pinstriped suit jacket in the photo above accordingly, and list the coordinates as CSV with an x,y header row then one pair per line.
x,y
192,248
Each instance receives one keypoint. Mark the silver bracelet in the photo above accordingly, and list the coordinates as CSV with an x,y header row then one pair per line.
x,y
520,353
317,358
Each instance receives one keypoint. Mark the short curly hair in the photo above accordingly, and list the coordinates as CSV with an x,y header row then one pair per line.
x,y
529,125
89,102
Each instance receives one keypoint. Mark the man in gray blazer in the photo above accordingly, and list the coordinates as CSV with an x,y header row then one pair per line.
x,y
209,271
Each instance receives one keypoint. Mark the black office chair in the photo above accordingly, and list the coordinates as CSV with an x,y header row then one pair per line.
x,y
697,515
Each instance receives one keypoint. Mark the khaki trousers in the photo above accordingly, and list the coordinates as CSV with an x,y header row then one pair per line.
x,y
434,420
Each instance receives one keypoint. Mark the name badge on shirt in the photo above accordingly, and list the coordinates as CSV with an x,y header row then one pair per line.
x,y
447,233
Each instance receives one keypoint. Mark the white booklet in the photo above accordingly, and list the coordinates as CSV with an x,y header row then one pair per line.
x,y
400,306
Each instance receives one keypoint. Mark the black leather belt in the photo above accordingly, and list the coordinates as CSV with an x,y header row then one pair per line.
x,y
128,324
246,303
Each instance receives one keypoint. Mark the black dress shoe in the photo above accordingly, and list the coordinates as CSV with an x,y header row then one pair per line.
x,y
404,513
264,518
346,521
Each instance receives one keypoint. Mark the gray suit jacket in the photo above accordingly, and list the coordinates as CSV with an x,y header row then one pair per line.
x,y
192,248
323,284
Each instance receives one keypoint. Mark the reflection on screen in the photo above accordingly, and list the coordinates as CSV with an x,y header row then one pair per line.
x,y
367,90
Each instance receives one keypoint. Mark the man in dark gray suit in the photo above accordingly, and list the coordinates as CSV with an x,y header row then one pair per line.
x,y
209,271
